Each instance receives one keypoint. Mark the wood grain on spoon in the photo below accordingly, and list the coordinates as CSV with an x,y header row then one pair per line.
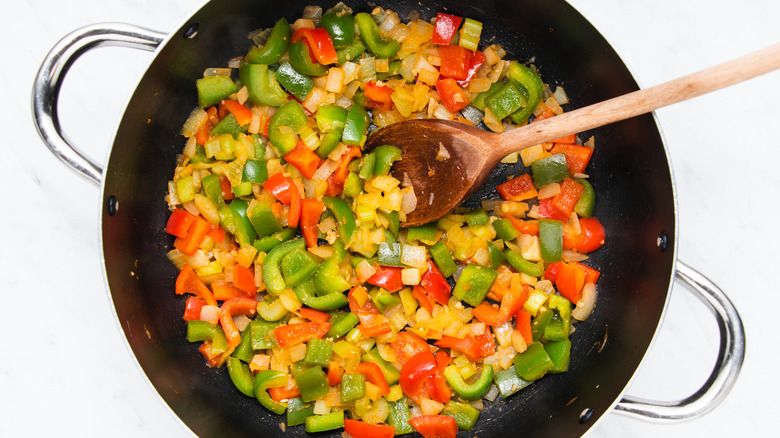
x,y
447,161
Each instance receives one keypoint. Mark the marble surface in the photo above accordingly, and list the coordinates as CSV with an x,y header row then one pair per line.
x,y
66,369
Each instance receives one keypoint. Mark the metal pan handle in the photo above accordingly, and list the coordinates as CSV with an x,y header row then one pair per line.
x,y
727,366
48,81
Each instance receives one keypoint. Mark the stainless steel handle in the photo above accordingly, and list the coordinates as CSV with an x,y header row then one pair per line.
x,y
48,81
727,366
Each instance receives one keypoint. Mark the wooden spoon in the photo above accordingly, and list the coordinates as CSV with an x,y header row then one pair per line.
x,y
447,161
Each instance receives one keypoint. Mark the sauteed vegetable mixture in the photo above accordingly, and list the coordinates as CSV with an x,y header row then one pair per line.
x,y
297,272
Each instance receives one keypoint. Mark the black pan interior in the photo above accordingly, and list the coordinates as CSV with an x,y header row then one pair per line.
x,y
629,170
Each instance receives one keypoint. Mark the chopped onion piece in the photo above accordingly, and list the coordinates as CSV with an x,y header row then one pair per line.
x,y
217,71
241,322
492,393
549,191
560,96
260,36
313,13
209,313
413,255
193,123
325,170
586,303
573,256
364,270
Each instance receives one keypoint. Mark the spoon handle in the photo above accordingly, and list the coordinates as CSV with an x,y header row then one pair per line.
x,y
643,101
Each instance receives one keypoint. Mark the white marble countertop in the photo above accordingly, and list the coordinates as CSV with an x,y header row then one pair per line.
x,y
70,372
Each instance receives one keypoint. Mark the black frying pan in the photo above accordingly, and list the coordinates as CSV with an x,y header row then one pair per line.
x,y
630,171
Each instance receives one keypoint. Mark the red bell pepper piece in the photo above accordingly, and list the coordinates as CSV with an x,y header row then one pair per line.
x,y
304,159
477,59
337,178
530,226
518,189
513,299
227,192
311,210
567,198
452,95
320,43
523,325
435,284
569,281
244,279
548,211
577,157
188,282
294,334
359,429
197,232
416,371
242,114
314,315
374,375
591,235
214,360
591,275
294,214
224,291
279,186
335,372
372,322
408,345
419,294
179,222
567,139
435,426
376,325
437,385
379,94
455,62
286,392
387,277
217,233
231,308
203,134
445,28
474,347
192,308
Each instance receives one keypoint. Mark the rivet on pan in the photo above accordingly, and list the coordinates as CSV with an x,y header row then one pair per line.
x,y
112,205
586,415
663,241
191,31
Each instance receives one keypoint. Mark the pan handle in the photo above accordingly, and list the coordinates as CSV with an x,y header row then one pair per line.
x,y
46,88
727,366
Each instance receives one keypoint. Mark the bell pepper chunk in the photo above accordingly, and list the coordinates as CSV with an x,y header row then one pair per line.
x,y
369,33
274,48
435,284
241,376
294,334
303,61
195,235
231,308
533,363
284,124
380,93
416,371
532,83
345,218
591,237
435,426
320,42
473,391
311,210
473,284
207,332
298,411
445,28
272,274
341,28
477,59
304,159
192,308
262,85
587,202
179,222
387,277
265,380
359,429
189,282
297,84
212,89
374,375
455,62
452,95
241,113
568,197
322,423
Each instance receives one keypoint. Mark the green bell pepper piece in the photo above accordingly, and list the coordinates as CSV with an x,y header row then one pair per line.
x,y
350,52
230,219
312,383
341,28
341,323
212,89
533,363
302,63
551,240
497,258
328,278
369,33
228,125
393,69
394,222
353,186
443,258
239,206
306,294
261,333
243,189
425,232
389,254
271,310
244,351
263,220
383,299
355,126
586,203
479,101
321,423
508,382
526,267
533,85
399,416
206,331
298,411
297,84
507,100
560,323
473,284
274,48
272,274
353,387
200,156
540,322
367,166
549,170
213,189
297,266
505,230
241,376
262,85
270,379
465,415
268,243
559,352
477,217
290,114
330,121
391,373
473,391
255,171
343,215
185,189
318,352
386,155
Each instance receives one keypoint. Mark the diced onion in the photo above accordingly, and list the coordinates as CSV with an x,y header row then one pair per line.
x,y
586,303
193,123
560,96
413,255
209,313
492,393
